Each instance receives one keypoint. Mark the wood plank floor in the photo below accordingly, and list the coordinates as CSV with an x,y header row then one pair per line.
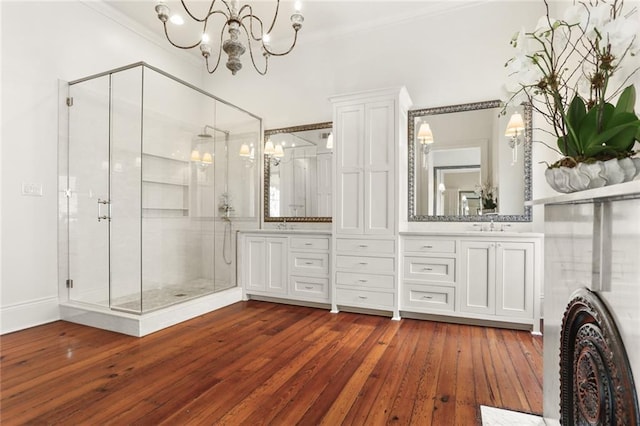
x,y
258,363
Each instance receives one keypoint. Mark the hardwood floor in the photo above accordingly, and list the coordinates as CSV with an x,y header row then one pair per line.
x,y
263,363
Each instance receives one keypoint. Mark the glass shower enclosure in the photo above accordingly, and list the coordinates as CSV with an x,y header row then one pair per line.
x,y
151,186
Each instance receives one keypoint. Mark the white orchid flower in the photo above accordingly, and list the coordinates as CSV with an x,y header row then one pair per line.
x,y
594,19
622,34
574,14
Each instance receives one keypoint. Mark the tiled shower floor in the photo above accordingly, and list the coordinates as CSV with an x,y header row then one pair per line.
x,y
157,298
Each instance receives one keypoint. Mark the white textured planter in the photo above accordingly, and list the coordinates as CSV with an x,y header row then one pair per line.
x,y
594,175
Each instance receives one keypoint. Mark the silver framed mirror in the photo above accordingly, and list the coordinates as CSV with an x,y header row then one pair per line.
x,y
298,173
470,163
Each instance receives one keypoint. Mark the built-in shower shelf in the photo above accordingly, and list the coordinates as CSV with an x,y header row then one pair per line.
x,y
164,157
161,182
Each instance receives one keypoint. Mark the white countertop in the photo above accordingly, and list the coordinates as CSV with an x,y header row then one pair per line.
x,y
621,190
286,231
503,234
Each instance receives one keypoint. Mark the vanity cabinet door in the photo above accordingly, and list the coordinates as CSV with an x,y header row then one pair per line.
x,y
477,292
514,279
266,265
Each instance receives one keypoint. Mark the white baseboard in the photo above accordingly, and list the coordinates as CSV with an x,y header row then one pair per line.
x,y
28,314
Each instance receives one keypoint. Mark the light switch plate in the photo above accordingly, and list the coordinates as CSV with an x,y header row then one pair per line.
x,y
32,189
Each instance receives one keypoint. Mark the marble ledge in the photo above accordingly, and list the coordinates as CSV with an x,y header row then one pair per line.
x,y
621,190
492,416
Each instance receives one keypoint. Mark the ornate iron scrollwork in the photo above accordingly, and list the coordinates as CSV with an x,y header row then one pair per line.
x,y
596,381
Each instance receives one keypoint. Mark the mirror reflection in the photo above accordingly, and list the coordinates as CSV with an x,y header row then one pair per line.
x,y
297,173
470,163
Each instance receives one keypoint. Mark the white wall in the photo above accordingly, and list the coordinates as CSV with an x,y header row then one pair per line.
x,y
41,43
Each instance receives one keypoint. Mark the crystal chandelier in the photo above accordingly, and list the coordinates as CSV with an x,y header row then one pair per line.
x,y
239,21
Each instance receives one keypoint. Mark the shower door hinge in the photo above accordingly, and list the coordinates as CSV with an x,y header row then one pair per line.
x,y
70,101
69,283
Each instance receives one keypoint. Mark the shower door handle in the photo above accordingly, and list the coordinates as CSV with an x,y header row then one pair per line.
x,y
103,216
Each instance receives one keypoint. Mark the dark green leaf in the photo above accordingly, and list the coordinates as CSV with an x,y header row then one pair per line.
x,y
627,100
576,112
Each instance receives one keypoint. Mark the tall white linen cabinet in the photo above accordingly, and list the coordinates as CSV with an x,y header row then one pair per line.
x,y
368,129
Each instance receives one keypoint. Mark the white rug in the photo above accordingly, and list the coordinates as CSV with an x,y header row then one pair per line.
x,y
498,417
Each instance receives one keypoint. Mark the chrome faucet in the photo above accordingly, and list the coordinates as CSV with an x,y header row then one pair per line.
x,y
491,225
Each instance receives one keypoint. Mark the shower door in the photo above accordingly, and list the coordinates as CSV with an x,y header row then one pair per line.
x,y
103,197
88,192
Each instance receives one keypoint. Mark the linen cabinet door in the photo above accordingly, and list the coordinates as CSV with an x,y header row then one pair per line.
x,y
379,154
477,284
514,279
349,144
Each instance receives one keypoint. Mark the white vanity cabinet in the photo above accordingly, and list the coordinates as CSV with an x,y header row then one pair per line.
x,y
498,278
285,265
429,274
493,276
265,265
369,128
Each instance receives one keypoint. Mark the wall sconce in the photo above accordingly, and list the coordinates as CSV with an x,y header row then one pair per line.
x,y
244,150
330,141
425,135
203,162
269,149
515,127
279,151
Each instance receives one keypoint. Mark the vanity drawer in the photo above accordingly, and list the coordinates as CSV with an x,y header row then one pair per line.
x,y
426,245
364,298
365,280
309,262
309,243
366,246
428,297
366,263
310,287
430,268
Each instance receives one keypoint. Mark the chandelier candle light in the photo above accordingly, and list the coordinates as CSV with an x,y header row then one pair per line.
x,y
238,21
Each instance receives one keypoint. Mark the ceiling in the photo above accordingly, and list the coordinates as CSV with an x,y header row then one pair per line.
x,y
322,18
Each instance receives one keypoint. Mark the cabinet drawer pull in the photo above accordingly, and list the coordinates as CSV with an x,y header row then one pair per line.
x,y
363,281
363,245
427,246
427,269
308,244
308,287
308,263
427,297
362,263
362,297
